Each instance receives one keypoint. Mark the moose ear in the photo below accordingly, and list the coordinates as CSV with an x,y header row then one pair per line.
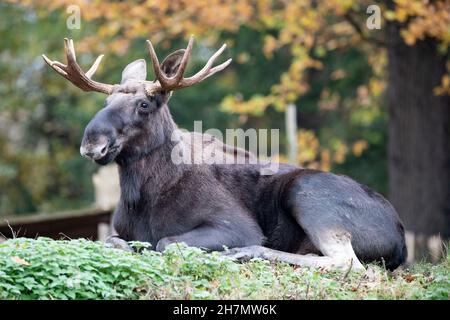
x,y
136,70
172,62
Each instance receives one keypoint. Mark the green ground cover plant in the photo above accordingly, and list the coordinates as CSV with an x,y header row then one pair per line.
x,y
43,268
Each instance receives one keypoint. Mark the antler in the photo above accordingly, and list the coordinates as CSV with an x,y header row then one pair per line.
x,y
75,74
178,81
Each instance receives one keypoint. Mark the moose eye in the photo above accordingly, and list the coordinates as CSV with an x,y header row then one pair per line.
x,y
143,105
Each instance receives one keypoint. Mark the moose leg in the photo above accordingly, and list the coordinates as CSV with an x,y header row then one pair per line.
x,y
337,254
213,238
329,236
336,245
324,219
331,240
248,253
118,243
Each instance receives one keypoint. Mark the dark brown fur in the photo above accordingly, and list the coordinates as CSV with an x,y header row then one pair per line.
x,y
211,206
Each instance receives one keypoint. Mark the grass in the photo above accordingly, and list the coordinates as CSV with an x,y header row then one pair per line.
x,y
83,269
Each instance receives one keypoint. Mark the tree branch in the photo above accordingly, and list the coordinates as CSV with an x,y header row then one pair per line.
x,y
351,20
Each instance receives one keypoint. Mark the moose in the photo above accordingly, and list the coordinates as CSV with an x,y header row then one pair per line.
x,y
300,216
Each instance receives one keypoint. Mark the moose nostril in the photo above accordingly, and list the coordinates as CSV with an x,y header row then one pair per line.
x,y
94,152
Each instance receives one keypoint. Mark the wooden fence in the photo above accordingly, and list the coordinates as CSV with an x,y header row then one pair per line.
x,y
89,223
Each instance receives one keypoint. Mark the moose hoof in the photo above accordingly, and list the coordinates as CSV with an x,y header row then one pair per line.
x,y
245,253
163,243
118,243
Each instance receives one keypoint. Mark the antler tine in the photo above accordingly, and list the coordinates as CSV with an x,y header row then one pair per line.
x,y
207,71
177,81
179,75
94,67
75,74
55,65
155,62
70,52
218,68
172,82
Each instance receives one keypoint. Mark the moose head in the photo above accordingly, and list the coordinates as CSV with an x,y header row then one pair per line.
x,y
135,119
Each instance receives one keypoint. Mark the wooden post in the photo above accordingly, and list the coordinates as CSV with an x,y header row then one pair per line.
x,y
291,132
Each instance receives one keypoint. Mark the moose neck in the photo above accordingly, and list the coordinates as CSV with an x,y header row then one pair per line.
x,y
150,171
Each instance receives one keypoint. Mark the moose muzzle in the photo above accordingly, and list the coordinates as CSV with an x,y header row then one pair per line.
x,y
95,151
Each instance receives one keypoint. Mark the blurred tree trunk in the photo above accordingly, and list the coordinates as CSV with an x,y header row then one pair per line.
x,y
419,139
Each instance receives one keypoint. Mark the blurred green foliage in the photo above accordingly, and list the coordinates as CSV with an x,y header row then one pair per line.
x,y
42,116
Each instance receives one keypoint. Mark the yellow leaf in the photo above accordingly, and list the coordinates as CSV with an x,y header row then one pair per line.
x,y
401,14
389,15
359,146
446,81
